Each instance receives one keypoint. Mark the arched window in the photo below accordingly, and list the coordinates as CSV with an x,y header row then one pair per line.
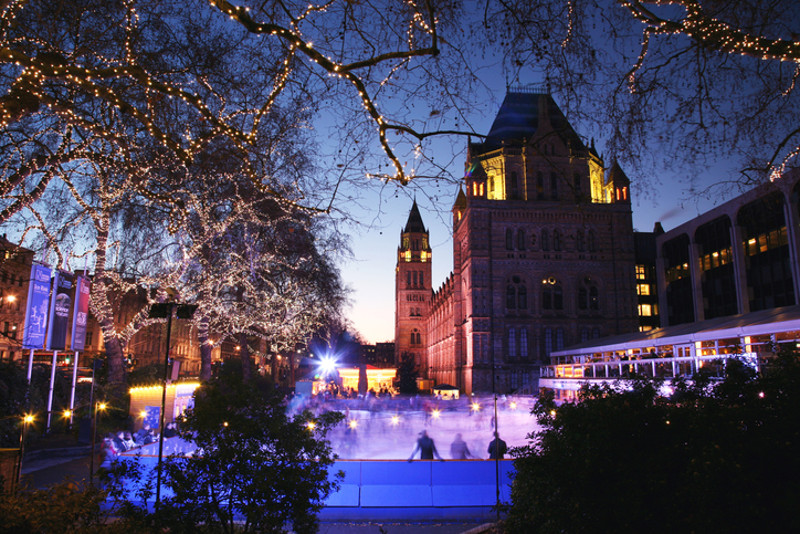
x,y
522,297
591,241
521,239
556,240
580,243
559,338
558,297
552,295
511,301
416,337
547,336
523,342
516,294
588,295
512,342
509,239
545,240
421,279
408,278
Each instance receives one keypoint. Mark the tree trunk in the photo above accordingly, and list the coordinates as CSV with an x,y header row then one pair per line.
x,y
205,350
104,313
247,361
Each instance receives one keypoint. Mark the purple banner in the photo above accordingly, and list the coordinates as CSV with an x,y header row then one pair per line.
x,y
36,310
80,319
60,304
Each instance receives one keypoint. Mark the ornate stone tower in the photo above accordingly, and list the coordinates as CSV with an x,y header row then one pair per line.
x,y
412,290
543,252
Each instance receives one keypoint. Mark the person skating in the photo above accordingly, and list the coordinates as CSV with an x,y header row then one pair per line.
x,y
497,448
426,447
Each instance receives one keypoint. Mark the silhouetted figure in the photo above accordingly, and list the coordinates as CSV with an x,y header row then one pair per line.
x,y
459,449
497,448
426,447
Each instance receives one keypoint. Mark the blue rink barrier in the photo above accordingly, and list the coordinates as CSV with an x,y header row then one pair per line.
x,y
402,490
425,490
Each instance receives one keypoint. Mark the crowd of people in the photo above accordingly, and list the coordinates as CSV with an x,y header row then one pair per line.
x,y
115,443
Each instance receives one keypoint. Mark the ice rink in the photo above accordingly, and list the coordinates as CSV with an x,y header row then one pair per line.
x,y
388,431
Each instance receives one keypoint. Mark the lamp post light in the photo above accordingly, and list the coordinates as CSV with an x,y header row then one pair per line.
x,y
26,420
99,406
166,310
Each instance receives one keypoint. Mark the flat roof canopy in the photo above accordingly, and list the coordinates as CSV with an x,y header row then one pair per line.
x,y
764,322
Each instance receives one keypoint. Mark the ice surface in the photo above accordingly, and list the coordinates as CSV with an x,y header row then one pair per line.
x,y
387,429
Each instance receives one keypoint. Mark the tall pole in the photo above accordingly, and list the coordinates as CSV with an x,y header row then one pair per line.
x,y
72,391
496,446
52,385
94,424
25,420
163,407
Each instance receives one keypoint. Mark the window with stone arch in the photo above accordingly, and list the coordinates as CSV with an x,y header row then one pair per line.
x,y
520,239
416,337
552,294
545,245
523,342
509,239
556,240
580,241
588,295
516,294
590,240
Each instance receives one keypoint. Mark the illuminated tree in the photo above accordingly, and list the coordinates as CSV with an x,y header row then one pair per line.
x,y
268,276
175,76
687,84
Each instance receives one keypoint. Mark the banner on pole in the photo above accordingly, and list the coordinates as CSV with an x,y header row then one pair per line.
x,y
80,317
36,309
60,304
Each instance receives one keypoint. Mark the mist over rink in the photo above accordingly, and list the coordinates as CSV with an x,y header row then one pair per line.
x,y
387,429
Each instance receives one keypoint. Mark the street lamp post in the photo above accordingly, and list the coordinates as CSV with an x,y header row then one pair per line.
x,y
166,310
26,420
97,407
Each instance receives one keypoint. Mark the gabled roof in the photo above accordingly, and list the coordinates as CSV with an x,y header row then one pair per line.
x,y
617,176
414,223
519,118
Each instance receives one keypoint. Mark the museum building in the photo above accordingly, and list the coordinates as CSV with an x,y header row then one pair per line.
x,y
543,256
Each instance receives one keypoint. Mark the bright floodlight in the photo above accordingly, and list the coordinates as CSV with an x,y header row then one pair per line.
x,y
327,364
395,420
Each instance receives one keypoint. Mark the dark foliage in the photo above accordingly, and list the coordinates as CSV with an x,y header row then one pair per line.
x,y
707,459
256,470
407,374
60,509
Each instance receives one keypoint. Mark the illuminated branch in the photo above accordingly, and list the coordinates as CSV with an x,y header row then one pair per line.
x,y
711,33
